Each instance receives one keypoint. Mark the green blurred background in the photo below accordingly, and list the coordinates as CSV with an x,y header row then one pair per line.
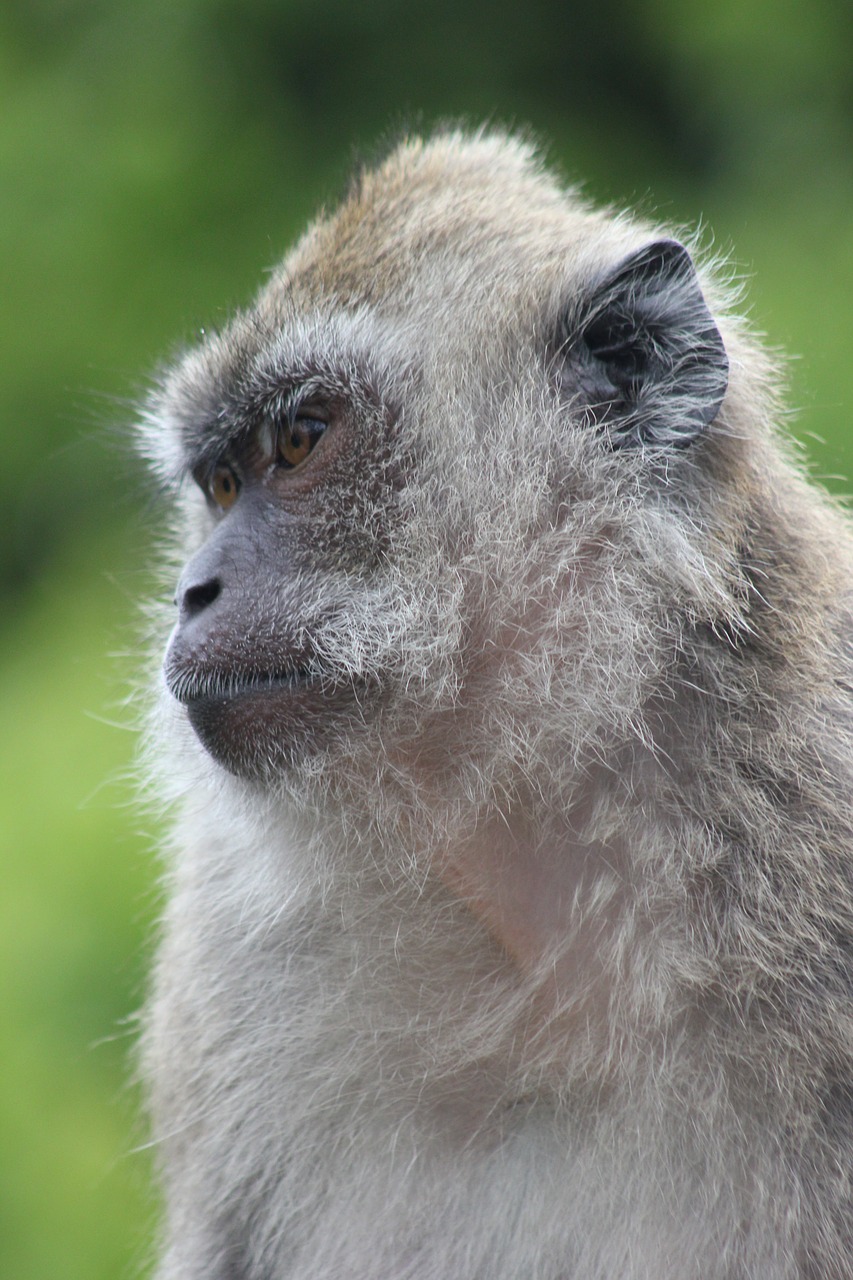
x,y
156,156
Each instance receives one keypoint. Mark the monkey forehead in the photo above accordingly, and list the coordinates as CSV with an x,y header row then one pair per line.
x,y
448,224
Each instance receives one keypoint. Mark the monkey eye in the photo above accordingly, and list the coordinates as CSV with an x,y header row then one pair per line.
x,y
223,487
297,438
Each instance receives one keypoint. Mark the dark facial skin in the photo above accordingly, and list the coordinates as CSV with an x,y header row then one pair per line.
x,y
241,658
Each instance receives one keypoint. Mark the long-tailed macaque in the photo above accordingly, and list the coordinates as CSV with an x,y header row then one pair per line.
x,y
507,723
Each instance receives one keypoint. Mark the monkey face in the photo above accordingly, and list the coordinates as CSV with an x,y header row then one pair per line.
x,y
295,526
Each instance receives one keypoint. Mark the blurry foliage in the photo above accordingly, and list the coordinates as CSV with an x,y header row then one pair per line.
x,y
155,158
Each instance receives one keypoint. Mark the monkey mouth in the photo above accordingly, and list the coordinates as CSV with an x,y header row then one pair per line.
x,y
191,687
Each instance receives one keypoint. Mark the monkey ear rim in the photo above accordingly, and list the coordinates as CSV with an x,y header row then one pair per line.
x,y
645,359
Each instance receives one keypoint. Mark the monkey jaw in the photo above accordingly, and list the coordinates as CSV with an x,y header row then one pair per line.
x,y
256,726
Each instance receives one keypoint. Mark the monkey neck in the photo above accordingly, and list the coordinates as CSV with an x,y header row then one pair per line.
x,y
533,889
564,897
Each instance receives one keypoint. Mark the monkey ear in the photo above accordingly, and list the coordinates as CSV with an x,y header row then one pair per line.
x,y
646,357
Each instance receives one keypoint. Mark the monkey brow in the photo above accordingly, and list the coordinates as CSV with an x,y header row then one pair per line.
x,y
234,383
272,390
209,437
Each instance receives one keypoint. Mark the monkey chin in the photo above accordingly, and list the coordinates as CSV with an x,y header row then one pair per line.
x,y
263,730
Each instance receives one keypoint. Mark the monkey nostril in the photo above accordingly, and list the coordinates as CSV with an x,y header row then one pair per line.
x,y
197,598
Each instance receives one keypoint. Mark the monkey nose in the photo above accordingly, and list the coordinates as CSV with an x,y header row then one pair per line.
x,y
194,597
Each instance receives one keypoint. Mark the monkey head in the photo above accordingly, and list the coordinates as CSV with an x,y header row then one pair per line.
x,y
406,468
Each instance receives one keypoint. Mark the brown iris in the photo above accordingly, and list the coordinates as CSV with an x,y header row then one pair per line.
x,y
223,487
297,439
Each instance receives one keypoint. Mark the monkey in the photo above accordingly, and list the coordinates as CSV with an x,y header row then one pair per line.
x,y
505,726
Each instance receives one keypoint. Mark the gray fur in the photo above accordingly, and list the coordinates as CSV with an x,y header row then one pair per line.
x,y
537,962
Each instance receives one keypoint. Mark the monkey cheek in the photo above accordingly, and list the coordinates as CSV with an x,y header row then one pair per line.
x,y
262,733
